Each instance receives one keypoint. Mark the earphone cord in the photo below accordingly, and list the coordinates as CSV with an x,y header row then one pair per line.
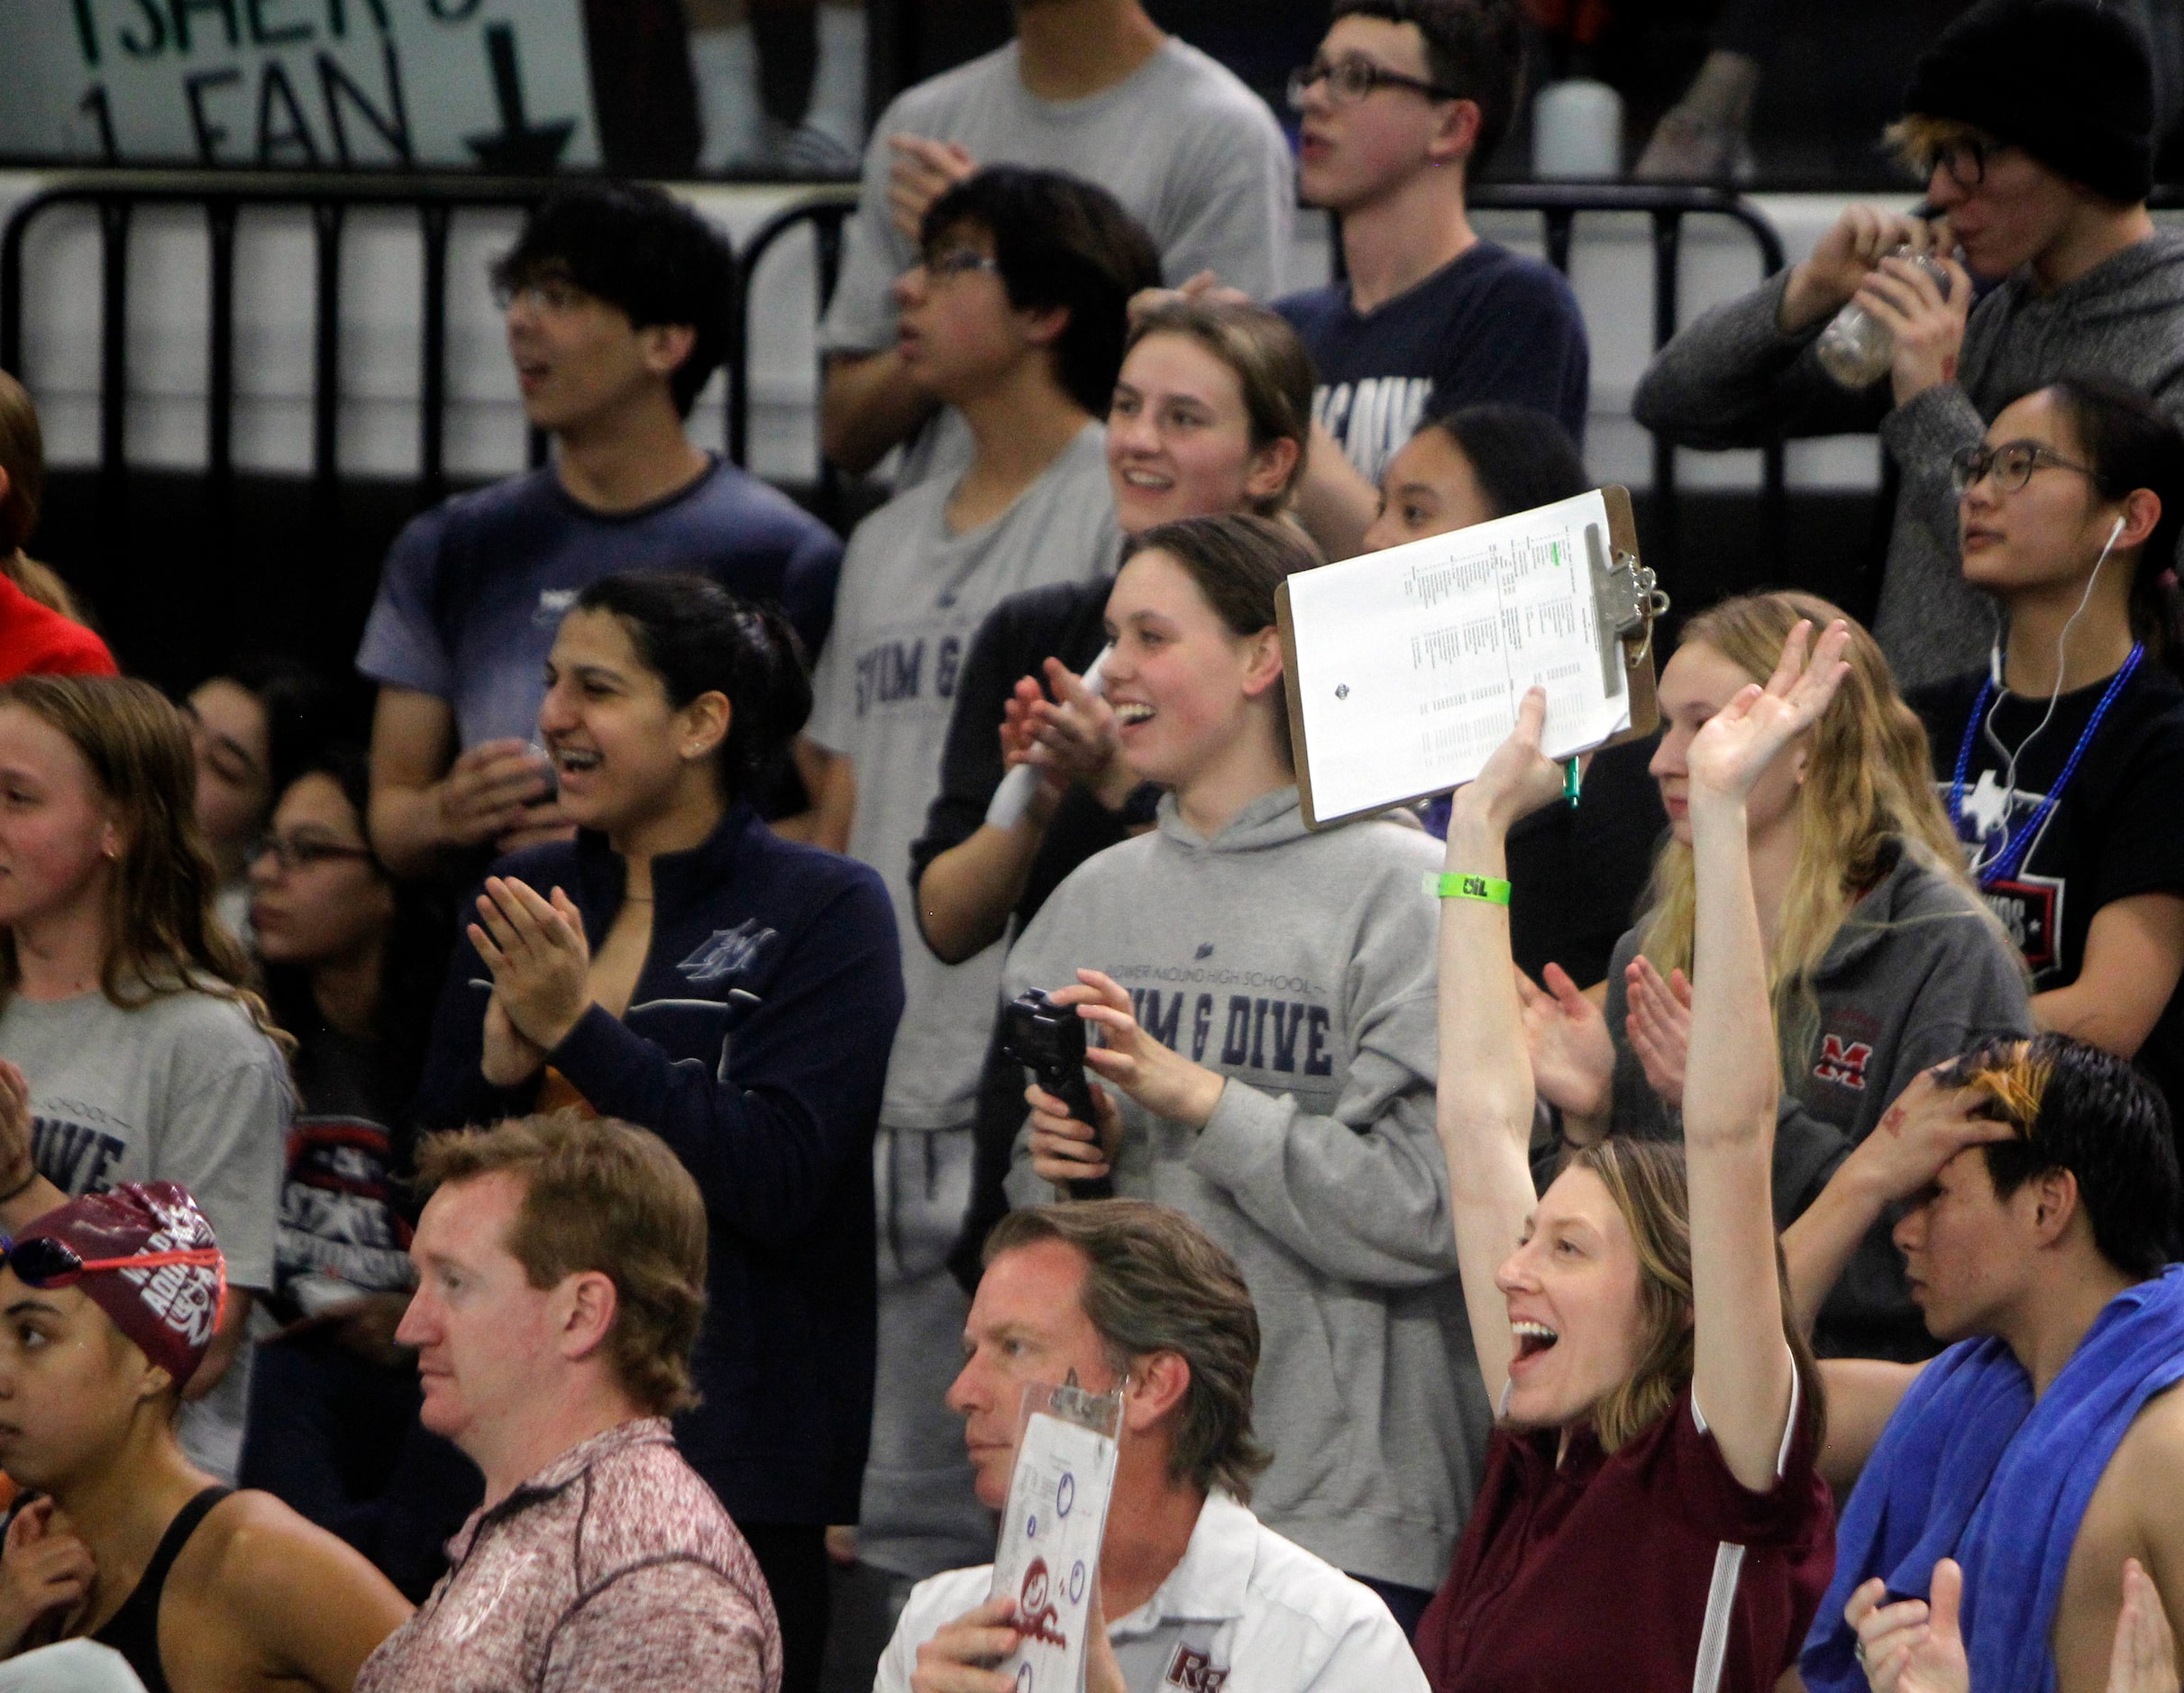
x,y
2010,759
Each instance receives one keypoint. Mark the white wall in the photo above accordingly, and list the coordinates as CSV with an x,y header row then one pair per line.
x,y
1611,268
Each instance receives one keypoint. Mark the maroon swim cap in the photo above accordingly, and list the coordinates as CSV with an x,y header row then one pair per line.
x,y
169,1310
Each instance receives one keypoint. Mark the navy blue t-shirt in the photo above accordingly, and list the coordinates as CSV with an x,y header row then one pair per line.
x,y
474,589
1490,325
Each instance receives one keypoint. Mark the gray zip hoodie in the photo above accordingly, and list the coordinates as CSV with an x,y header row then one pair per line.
x,y
1302,967
1916,974
1733,379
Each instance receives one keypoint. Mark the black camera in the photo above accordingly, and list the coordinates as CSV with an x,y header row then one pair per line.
x,y
1048,1040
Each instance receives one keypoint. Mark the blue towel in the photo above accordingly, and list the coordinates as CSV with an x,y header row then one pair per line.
x,y
1970,1468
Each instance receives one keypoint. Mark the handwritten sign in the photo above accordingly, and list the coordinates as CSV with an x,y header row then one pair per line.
x,y
298,85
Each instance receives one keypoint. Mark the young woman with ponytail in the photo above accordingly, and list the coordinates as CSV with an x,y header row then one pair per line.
x,y
681,967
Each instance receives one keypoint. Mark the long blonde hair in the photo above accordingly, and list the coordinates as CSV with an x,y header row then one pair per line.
x,y
1869,787
162,934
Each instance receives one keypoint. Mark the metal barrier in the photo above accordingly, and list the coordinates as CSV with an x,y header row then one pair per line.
x,y
1559,204
826,214
115,199
437,201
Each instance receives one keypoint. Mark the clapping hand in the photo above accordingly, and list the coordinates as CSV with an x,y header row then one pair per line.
x,y
2144,1658
539,957
1658,1026
1731,752
1070,737
1573,1055
1912,1646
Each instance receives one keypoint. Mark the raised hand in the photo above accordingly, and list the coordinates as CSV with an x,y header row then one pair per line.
x,y
1739,742
1573,1055
2144,1658
1658,1026
1912,1646
1517,780
922,170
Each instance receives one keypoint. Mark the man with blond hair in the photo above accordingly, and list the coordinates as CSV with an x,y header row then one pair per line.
x,y
560,1278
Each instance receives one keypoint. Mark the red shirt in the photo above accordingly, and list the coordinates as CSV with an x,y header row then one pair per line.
x,y
1613,1571
38,641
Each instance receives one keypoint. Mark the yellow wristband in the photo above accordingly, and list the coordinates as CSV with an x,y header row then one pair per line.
x,y
1491,889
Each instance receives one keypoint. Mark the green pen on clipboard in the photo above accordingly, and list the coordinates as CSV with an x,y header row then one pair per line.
x,y
1569,782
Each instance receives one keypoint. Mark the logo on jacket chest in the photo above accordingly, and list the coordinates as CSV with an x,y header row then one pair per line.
x,y
728,953
1192,1671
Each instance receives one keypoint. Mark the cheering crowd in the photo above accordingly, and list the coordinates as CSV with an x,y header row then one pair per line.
x,y
533,1190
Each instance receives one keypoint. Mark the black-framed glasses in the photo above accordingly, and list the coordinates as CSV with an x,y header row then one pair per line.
x,y
2011,464
301,852
1350,81
960,261
1964,159
44,1261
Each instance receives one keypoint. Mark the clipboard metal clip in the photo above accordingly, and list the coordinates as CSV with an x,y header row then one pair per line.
x,y
1629,599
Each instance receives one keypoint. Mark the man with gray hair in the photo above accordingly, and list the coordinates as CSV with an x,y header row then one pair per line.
x,y
1198,1593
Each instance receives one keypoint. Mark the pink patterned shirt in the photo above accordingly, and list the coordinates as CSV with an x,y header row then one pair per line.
x,y
613,1567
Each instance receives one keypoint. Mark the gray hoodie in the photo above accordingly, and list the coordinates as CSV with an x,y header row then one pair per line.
x,y
1917,974
1302,966
1734,379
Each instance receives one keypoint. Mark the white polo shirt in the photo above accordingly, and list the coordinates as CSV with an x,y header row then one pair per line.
x,y
1245,1610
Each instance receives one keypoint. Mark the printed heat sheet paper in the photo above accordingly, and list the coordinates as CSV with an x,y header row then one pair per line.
x,y
1048,1556
1411,662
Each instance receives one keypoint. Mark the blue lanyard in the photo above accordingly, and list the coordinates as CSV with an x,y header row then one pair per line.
x,y
2011,860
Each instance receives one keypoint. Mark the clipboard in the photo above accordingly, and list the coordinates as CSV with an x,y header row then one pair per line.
x,y
1627,600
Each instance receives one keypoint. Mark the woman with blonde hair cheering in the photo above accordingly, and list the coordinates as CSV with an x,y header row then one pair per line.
x,y
1880,959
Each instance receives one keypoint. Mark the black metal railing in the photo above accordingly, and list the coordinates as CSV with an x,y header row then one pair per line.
x,y
328,200
437,201
824,214
1559,204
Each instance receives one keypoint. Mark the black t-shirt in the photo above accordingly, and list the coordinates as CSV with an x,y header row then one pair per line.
x,y
1065,620
1489,325
2116,830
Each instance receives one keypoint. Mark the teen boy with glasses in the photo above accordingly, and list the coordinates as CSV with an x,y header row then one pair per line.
x,y
2031,123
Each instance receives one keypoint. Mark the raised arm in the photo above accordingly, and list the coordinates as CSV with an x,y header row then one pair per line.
x,y
1486,1101
1742,1368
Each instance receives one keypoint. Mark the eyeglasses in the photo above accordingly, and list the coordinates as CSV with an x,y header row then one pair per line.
x,y
546,293
959,262
43,1261
1350,81
1965,160
300,853
2011,464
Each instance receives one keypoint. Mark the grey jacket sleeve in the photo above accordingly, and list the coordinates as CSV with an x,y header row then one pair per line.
x,y
1732,379
1921,436
1362,1195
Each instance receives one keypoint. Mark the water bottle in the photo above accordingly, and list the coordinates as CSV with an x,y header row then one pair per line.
x,y
1857,349
1576,130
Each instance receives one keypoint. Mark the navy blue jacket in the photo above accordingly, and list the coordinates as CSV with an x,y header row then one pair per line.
x,y
755,1045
